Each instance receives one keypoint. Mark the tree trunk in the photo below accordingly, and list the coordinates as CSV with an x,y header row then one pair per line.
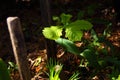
x,y
46,22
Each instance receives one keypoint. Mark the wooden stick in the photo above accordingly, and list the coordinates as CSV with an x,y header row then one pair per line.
x,y
19,47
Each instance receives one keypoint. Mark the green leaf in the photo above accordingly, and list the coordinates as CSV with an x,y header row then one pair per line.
x,y
91,57
55,18
94,35
80,25
74,30
53,32
113,60
4,74
68,45
73,35
54,68
75,76
12,66
118,77
115,75
65,18
102,62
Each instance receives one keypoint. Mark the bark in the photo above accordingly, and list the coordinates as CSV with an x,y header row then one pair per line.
x,y
46,22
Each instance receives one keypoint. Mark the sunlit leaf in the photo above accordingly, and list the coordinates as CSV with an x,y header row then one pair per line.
x,y
118,77
53,32
73,35
68,45
65,18
55,18
74,31
80,25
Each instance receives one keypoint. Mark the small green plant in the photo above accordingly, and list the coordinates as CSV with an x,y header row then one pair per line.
x,y
94,51
4,74
12,67
75,76
54,68
98,56
67,29
115,75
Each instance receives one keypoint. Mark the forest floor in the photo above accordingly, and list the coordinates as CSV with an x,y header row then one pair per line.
x,y
35,45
